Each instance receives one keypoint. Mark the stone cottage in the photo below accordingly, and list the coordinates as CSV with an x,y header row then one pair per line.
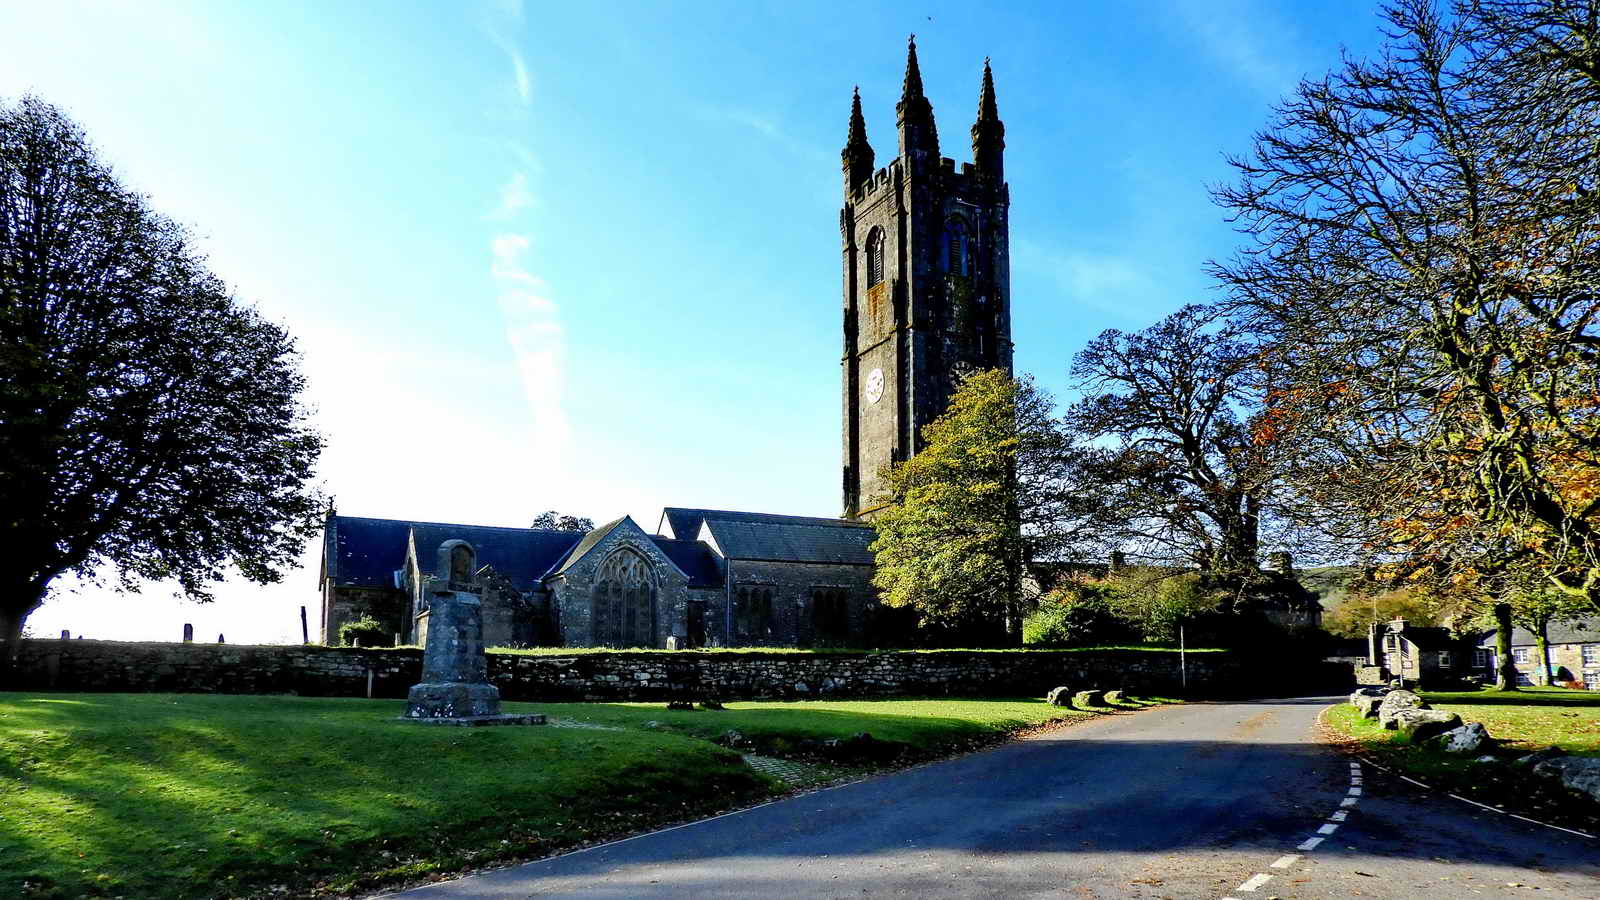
x,y
1574,654
706,578
1421,656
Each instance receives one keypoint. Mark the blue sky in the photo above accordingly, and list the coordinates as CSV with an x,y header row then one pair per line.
x,y
586,256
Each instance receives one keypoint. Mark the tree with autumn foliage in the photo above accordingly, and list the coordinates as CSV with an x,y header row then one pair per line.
x,y
987,494
1422,263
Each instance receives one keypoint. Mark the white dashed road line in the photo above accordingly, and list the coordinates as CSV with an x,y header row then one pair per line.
x,y
1256,881
1288,860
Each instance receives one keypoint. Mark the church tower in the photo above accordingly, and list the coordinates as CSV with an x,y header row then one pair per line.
x,y
927,281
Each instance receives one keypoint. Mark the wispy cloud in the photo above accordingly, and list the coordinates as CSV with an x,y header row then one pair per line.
x,y
766,125
534,332
1242,36
532,318
514,197
502,22
1113,283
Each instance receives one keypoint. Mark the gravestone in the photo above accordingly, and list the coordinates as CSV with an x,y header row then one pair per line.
x,y
455,688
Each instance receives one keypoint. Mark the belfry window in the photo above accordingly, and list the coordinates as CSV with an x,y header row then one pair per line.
x,y
875,257
958,249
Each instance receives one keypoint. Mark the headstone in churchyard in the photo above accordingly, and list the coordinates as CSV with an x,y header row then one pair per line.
x,y
188,633
455,688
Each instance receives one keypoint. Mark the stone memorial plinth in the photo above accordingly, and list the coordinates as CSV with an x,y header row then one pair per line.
x,y
455,688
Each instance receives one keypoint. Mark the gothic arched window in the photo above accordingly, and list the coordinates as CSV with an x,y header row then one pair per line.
x,y
625,601
958,248
875,257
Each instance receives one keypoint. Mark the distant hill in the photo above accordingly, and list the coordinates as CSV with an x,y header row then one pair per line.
x,y
1329,584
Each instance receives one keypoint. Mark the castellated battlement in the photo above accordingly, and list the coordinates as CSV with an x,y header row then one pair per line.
x,y
966,180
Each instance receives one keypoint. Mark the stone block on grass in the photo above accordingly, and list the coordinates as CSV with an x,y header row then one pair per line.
x,y
1115,697
1061,696
1396,702
1421,724
1084,699
1469,738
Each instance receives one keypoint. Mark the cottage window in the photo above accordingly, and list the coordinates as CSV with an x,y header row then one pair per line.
x,y
1591,680
1519,655
1480,659
1591,655
1445,660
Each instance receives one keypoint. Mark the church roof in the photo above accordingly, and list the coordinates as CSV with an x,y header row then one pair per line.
x,y
685,522
745,535
589,540
694,558
366,552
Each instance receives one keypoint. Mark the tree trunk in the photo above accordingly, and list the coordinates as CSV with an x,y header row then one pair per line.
x,y
1506,670
1541,644
11,636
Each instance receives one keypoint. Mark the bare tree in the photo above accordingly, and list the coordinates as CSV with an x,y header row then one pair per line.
x,y
1423,258
1181,467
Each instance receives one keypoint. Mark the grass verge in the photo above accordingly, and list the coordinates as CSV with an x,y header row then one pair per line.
x,y
1520,721
186,795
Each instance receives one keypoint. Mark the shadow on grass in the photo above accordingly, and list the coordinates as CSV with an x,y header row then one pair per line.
x,y
1523,697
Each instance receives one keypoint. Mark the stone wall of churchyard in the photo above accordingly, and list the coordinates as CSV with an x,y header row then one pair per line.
x,y
82,665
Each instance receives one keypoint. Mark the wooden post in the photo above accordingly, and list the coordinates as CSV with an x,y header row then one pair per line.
x,y
1183,662
305,631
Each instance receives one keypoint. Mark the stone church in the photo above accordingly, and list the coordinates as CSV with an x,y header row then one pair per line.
x,y
926,299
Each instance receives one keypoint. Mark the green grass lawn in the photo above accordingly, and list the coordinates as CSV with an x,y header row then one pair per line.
x,y
188,795
1521,721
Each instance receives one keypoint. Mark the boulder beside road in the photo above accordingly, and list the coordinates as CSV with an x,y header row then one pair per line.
x,y
1577,773
1421,724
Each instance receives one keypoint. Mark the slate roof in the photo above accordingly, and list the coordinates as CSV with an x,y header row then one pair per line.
x,y
743,535
1576,631
588,542
366,552
685,522
695,559
1430,638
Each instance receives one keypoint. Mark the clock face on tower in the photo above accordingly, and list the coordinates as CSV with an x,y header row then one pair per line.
x,y
874,385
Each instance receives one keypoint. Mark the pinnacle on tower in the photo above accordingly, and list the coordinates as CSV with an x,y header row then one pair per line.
x,y
989,133
911,88
857,155
919,137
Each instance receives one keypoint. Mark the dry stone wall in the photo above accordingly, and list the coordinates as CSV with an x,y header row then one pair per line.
x,y
80,665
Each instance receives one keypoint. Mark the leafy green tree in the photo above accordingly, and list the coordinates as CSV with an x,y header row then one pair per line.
x,y
1155,601
149,423
1075,616
1352,614
554,521
983,498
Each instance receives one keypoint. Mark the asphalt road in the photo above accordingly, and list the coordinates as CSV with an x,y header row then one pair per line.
x,y
1198,800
